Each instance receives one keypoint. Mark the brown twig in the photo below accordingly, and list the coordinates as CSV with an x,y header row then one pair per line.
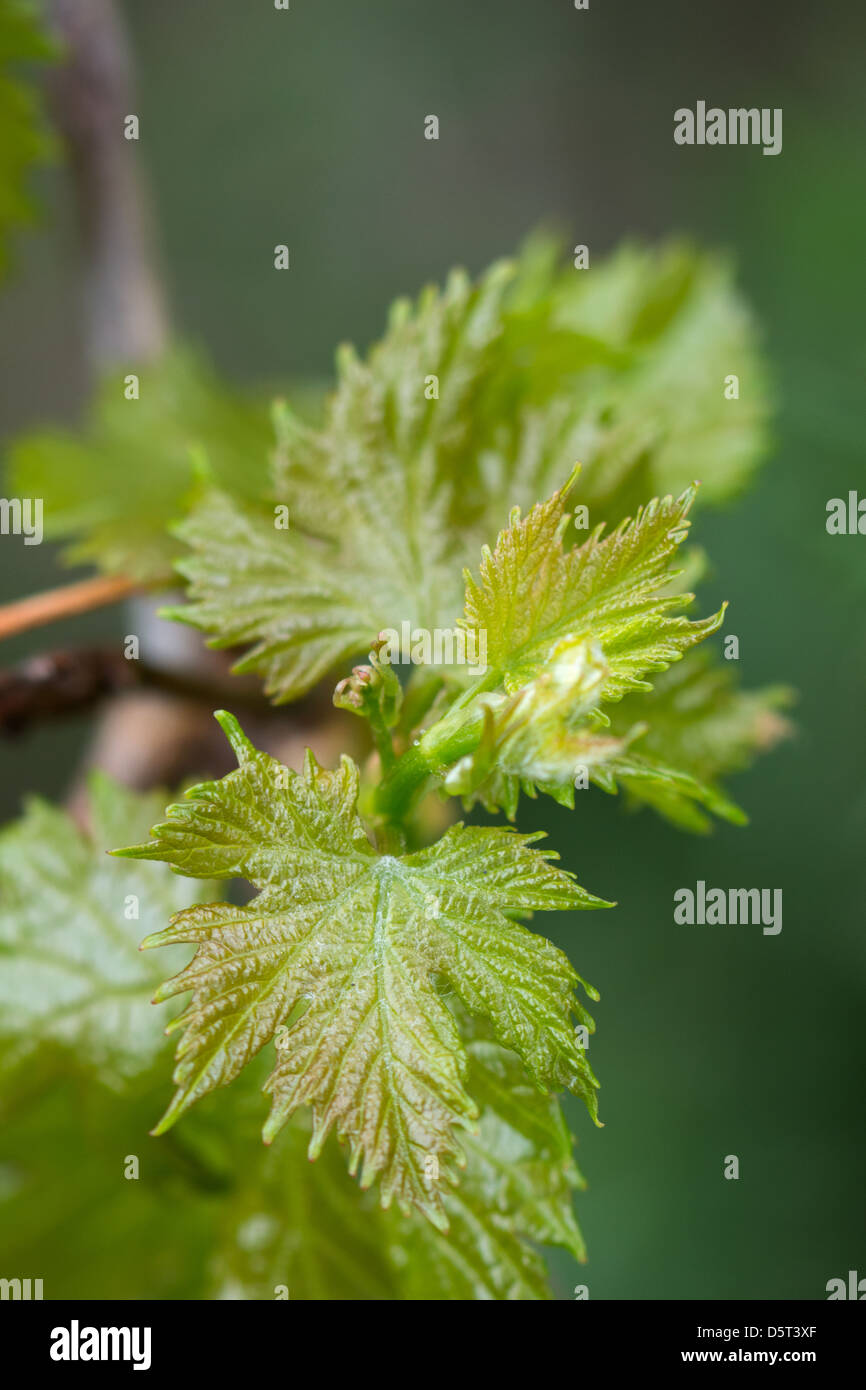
x,y
65,602
60,683
55,684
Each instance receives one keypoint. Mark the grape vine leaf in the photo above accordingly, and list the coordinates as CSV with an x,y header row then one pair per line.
x,y
237,1224
626,368
343,948
699,727
376,537
181,409
516,1195
674,793
533,594
307,1229
469,404
570,630
70,922
65,1209
544,738
538,737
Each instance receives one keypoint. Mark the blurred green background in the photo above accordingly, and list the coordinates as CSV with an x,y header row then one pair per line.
x,y
307,128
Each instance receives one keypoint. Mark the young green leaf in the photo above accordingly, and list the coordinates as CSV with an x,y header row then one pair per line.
x,y
468,405
539,737
533,594
700,727
71,919
376,536
515,1195
308,1229
343,948
676,795
545,737
635,369
537,609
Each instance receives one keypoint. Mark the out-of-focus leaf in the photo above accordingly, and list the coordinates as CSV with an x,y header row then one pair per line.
x,y
120,484
700,727
71,919
26,141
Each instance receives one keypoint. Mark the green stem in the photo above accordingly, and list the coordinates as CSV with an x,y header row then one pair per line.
x,y
397,792
455,735
382,739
